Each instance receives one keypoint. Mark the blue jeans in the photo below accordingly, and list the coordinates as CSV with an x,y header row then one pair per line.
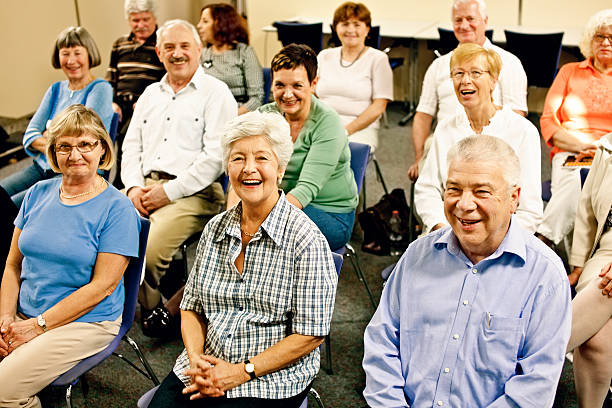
x,y
336,227
17,184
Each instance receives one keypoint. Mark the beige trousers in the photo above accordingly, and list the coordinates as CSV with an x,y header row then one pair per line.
x,y
34,365
171,225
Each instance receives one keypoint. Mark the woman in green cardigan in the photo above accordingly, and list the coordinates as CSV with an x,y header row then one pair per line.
x,y
318,178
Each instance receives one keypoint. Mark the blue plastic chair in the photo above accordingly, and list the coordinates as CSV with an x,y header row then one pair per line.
x,y
449,42
112,132
131,282
539,54
360,154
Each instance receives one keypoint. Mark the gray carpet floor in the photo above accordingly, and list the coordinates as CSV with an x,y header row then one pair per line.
x,y
115,384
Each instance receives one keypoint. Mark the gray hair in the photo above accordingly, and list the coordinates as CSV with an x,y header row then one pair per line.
x,y
490,149
598,21
272,126
482,7
171,23
139,6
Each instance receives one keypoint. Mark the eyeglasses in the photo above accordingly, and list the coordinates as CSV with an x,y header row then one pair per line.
x,y
474,74
600,38
83,147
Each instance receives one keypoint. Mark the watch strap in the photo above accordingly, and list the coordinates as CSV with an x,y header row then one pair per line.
x,y
251,372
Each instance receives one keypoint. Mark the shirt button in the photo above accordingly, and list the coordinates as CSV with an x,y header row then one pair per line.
x,y
440,403
447,370
474,270
165,139
455,336
174,98
465,302
168,118
241,308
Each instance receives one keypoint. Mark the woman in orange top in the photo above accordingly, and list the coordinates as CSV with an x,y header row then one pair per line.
x,y
577,113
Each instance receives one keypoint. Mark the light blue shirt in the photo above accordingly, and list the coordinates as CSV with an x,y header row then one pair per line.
x,y
60,244
99,98
448,333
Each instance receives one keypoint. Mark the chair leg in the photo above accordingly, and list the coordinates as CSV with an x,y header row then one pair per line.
x,y
352,255
379,174
184,255
411,219
328,355
69,396
150,374
314,394
84,385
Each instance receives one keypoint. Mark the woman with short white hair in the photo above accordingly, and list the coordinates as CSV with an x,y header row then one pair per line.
x,y
260,296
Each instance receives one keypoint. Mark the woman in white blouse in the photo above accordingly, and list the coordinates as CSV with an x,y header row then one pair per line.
x,y
354,79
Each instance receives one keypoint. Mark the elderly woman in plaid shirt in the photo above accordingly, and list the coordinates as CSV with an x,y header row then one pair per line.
x,y
260,297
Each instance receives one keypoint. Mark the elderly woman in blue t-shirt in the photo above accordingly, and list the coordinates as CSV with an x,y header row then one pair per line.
x,y
62,295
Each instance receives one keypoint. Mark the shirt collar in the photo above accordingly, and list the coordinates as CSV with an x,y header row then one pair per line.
x,y
197,81
513,243
587,64
273,225
487,44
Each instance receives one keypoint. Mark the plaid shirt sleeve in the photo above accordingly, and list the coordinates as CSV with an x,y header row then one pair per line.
x,y
314,287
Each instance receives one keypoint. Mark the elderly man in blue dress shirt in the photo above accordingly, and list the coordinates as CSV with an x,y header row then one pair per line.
x,y
476,314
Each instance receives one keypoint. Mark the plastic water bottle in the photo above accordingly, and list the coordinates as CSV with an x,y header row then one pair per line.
x,y
395,236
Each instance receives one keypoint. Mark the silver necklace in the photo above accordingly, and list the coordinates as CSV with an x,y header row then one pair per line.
x,y
355,60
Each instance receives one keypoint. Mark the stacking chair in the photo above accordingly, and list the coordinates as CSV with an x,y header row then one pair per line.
x,y
449,42
112,132
338,259
300,33
360,154
539,54
131,282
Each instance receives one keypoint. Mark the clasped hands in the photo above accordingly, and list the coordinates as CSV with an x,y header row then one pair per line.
x,y
13,334
148,199
211,377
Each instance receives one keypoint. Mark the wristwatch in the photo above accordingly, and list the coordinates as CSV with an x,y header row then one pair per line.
x,y
250,369
41,322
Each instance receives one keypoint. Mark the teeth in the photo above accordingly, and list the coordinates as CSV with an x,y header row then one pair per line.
x,y
468,222
251,182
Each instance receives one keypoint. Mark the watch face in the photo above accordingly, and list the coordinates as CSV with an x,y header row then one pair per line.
x,y
249,368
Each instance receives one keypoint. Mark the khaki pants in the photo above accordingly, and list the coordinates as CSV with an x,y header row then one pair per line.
x,y
171,225
34,365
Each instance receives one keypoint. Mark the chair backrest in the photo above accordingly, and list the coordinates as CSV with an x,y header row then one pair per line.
x,y
373,39
539,54
300,33
449,42
267,73
131,283
360,154
112,132
584,172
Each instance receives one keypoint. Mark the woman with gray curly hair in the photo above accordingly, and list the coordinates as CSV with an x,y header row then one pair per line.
x,y
260,296
576,115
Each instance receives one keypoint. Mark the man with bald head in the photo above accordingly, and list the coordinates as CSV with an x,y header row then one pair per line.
x,y
172,152
477,313
438,99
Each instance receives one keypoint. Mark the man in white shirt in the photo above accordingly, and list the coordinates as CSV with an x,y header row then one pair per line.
x,y
172,153
437,95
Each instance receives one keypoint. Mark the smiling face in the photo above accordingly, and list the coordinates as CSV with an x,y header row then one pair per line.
x,y
472,82
205,27
74,61
293,92
254,172
602,46
142,25
77,164
352,32
179,52
478,206
468,24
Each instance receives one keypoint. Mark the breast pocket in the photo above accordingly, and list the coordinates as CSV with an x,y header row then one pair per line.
x,y
497,344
